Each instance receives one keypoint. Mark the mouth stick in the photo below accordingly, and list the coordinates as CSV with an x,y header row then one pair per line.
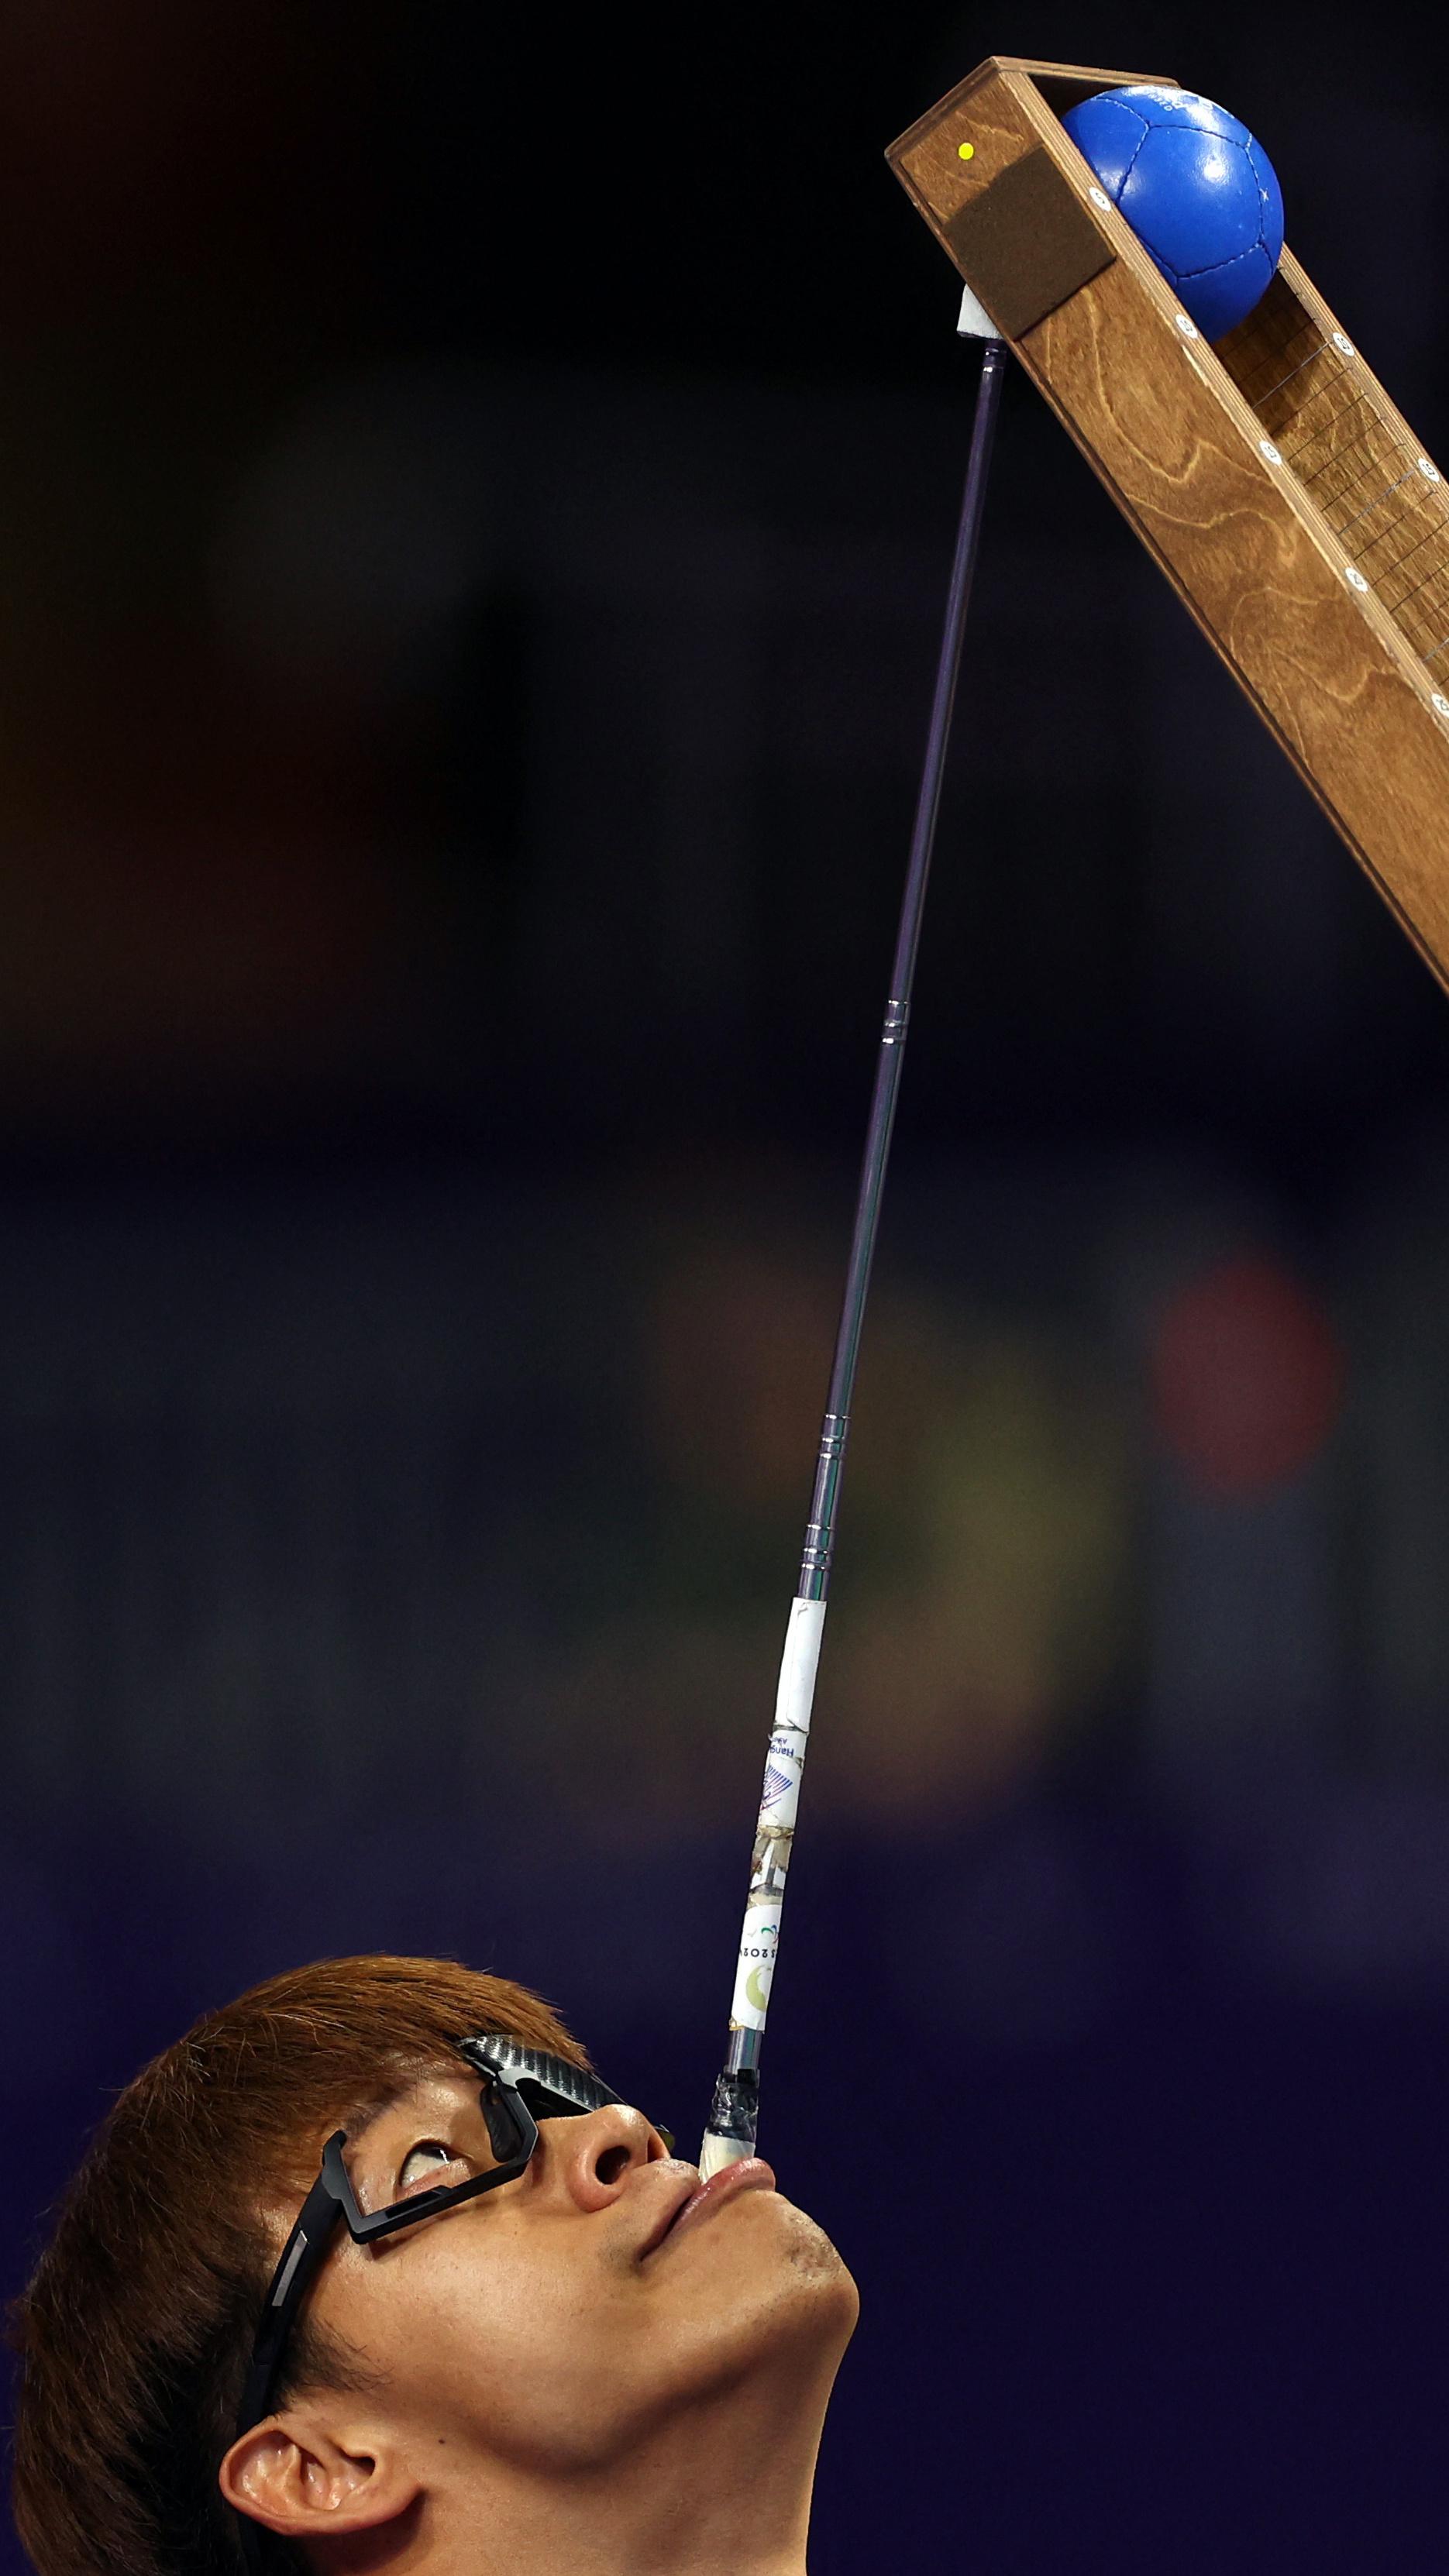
x,y
734,2112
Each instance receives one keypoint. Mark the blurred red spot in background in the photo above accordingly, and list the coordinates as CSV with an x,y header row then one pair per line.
x,y
1247,1375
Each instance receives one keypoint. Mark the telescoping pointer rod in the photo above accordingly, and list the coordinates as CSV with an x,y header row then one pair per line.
x,y
734,2112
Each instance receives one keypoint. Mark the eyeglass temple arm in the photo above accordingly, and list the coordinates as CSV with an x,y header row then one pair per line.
x,y
332,2196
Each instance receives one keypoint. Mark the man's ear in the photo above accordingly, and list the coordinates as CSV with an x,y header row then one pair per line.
x,y
310,2477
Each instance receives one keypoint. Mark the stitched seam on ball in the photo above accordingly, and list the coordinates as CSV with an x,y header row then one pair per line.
x,y
1248,148
1215,266
1145,123
1132,164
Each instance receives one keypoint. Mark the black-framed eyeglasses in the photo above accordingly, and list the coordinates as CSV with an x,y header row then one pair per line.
x,y
521,2086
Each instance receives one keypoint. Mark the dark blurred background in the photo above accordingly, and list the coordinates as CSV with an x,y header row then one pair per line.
x,y
475,502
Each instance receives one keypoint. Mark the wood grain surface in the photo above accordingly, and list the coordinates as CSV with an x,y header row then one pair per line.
x,y
1384,498
951,154
1274,482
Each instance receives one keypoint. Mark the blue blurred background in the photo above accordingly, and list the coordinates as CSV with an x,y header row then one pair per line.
x,y
474,514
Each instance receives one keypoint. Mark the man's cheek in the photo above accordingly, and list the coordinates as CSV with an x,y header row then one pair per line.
x,y
499,2329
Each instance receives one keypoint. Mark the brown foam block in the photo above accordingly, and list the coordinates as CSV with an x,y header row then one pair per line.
x,y
1027,243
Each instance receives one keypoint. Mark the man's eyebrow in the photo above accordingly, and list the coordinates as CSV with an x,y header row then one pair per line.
x,y
360,2116
355,2119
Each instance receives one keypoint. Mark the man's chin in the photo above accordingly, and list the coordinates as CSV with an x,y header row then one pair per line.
x,y
806,2294
767,2277
807,2247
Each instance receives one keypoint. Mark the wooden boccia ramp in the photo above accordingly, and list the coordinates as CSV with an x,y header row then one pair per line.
x,y
1287,501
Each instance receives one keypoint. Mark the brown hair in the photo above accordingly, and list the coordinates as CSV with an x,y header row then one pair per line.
x,y
136,2327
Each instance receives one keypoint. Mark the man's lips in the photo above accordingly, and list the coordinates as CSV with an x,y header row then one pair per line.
x,y
698,2199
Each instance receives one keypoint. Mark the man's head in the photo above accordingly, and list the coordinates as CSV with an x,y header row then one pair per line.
x,y
540,2341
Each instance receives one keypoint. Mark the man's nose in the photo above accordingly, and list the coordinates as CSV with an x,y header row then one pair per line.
x,y
596,2154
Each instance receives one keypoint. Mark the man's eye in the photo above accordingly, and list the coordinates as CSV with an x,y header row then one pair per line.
x,y
430,2161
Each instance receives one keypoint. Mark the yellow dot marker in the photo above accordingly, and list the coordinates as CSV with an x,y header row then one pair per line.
x,y
965,151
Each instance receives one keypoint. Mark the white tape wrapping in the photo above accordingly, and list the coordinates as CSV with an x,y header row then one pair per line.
x,y
756,1967
779,1802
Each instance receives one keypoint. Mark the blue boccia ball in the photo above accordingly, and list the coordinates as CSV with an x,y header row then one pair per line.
x,y
1197,189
